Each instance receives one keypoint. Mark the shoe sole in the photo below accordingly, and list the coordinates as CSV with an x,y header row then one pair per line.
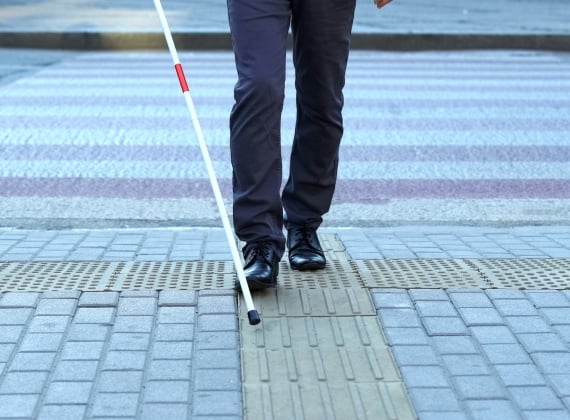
x,y
308,267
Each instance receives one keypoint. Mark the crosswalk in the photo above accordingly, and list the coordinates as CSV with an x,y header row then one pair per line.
x,y
425,132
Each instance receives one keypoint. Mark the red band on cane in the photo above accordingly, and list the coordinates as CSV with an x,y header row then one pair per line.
x,y
181,77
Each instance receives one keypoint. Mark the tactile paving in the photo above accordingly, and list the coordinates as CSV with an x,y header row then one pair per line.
x,y
44,276
313,302
180,275
426,273
320,367
134,275
525,273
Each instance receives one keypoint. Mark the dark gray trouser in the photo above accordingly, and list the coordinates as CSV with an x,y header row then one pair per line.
x,y
321,39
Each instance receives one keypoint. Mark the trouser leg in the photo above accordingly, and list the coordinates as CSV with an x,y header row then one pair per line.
x,y
321,31
259,35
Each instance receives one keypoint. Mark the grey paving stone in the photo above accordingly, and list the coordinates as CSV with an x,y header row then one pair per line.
x,y
478,387
527,324
515,307
88,332
552,362
174,332
61,294
109,405
217,340
218,403
124,360
434,399
390,300
167,391
27,362
520,375
49,324
465,364
492,409
492,335
98,299
557,316
546,415
120,381
455,345
415,355
548,299
505,294
207,322
416,336
68,392
542,398
217,305
424,377
176,315
443,415
435,309
41,342
564,332
19,300
18,406
164,411
172,350
505,353
399,318
137,306
481,316
444,326
217,379
561,384
62,412
178,298
541,342
82,350
471,300
23,383
139,294
129,341
94,315
56,307
76,370
15,316
428,294
10,333
171,369
6,351
218,358
133,324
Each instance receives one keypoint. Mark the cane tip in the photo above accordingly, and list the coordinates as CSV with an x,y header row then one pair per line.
x,y
254,318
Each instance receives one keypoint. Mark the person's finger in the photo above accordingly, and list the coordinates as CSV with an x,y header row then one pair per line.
x,y
381,3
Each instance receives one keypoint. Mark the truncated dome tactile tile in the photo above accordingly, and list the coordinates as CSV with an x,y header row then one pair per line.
x,y
418,274
525,273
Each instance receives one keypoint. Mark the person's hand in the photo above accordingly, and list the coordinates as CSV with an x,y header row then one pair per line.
x,y
381,3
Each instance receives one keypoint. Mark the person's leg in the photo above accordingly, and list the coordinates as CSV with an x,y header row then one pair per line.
x,y
321,41
321,37
259,35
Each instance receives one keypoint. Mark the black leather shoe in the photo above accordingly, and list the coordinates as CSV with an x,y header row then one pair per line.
x,y
305,252
261,266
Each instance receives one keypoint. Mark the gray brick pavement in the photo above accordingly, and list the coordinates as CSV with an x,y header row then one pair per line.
x,y
509,361
463,353
108,354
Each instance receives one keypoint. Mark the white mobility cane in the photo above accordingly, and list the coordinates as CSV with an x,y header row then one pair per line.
x,y
252,313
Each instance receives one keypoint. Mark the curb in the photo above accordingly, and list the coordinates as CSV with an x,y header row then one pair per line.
x,y
221,41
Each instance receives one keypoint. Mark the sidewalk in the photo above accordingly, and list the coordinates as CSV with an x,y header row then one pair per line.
x,y
144,324
431,322
202,24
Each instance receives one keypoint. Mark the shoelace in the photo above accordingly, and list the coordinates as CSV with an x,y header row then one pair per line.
x,y
303,237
